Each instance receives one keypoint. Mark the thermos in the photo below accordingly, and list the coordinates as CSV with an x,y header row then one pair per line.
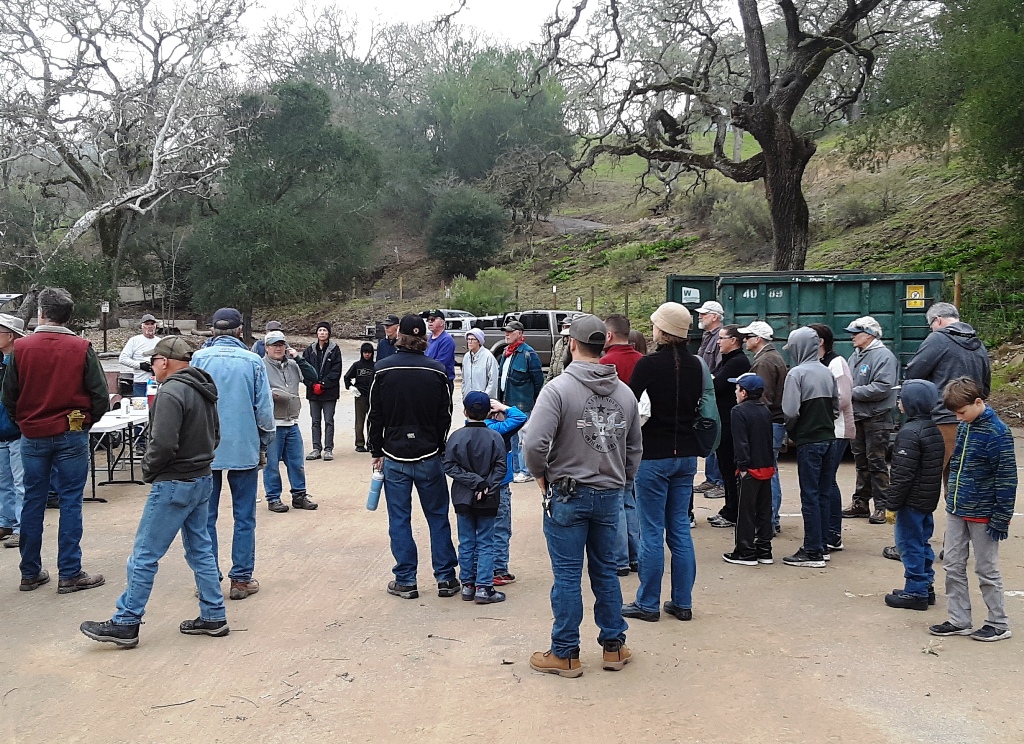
x,y
376,483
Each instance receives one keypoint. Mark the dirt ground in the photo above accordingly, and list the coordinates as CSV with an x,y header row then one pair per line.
x,y
774,654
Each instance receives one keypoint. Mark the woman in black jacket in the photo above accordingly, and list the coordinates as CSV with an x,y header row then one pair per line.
x,y
673,379
734,363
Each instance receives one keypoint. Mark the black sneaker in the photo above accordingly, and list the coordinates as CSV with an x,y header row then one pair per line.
x,y
739,560
835,546
948,629
634,566
624,571
314,455
803,559
123,636
301,500
405,591
448,588
717,520
903,601
468,590
892,553
215,628
989,633
361,448
488,595
277,506
680,613
638,613
931,595
765,559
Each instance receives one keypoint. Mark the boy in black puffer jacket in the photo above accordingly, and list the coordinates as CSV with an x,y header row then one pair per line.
x,y
915,482
360,377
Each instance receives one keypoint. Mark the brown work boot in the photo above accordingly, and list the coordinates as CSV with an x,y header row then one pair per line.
x,y
546,661
79,583
616,656
857,509
242,589
28,585
877,517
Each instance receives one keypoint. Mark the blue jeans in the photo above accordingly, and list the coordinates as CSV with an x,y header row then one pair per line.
x,y
172,507
64,460
476,549
503,530
913,531
629,530
243,484
833,460
287,446
778,439
712,472
12,485
432,488
518,461
814,494
663,489
587,521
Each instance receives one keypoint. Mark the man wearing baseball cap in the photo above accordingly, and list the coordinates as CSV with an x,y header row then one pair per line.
x,y
441,345
410,414
134,361
710,316
771,367
520,379
259,347
246,412
185,431
875,372
560,357
583,446
386,346
12,475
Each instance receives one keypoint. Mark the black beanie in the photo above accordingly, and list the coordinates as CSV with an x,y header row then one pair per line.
x,y
323,324
366,347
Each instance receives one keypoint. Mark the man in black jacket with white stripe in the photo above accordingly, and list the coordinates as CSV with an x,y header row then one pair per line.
x,y
410,415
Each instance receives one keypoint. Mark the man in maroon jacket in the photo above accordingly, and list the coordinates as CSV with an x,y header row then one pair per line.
x,y
617,349
55,390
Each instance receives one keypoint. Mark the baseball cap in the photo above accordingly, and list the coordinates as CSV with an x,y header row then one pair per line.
x,y
750,382
226,319
147,318
391,320
274,337
477,405
412,325
173,347
588,329
711,307
760,329
273,325
12,323
867,324
513,325
434,314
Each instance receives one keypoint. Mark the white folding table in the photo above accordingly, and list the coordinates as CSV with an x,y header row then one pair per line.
x,y
102,437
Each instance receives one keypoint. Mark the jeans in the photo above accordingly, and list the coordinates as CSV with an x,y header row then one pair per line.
x,y
663,489
960,536
629,530
243,484
326,409
173,506
913,531
834,458
287,447
503,530
432,488
778,439
476,549
64,460
711,470
584,522
12,485
814,494
869,448
518,461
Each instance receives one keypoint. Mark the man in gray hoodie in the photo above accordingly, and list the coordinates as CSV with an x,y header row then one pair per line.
x,y
583,446
184,432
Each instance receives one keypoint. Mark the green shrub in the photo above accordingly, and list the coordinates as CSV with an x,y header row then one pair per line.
x,y
742,219
465,231
491,293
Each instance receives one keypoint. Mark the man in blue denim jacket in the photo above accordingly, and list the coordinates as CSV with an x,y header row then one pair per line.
x,y
520,379
246,412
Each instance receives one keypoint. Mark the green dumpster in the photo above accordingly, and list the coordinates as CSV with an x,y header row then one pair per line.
x,y
692,292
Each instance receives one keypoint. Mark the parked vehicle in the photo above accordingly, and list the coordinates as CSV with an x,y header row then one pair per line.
x,y
540,328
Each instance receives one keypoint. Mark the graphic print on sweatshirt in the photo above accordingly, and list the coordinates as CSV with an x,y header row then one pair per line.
x,y
603,423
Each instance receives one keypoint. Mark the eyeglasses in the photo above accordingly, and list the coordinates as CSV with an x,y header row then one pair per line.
x,y
157,359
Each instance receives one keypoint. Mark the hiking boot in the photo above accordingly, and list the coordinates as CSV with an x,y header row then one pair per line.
x,y
547,662
803,559
877,517
616,656
448,588
488,595
6,532
679,613
27,585
328,455
634,566
123,636
705,486
892,553
277,506
79,583
903,601
314,455
989,633
717,520
215,628
624,571
948,629
503,579
405,591
468,592
240,589
718,492
856,510
301,500
14,541
739,560
632,610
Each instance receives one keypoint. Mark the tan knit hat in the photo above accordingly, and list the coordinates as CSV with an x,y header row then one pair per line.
x,y
673,318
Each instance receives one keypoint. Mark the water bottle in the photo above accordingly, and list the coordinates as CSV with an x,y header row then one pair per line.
x,y
151,388
376,483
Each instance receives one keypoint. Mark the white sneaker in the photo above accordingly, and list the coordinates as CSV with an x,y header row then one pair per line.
x,y
521,478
